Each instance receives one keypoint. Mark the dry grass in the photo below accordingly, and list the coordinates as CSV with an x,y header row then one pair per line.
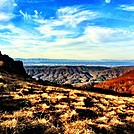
x,y
27,107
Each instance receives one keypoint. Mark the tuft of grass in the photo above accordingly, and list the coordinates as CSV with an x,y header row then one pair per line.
x,y
39,126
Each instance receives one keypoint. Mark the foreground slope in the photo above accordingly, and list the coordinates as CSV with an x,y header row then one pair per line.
x,y
121,84
29,107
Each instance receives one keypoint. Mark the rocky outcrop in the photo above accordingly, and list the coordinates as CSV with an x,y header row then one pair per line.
x,y
9,65
121,84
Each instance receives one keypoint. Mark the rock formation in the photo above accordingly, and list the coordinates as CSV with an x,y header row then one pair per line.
x,y
63,74
121,84
9,65
110,73
77,76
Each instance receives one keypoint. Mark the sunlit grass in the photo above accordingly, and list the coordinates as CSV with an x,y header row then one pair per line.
x,y
60,110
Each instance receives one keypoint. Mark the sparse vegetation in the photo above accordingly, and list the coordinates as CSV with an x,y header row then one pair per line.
x,y
29,107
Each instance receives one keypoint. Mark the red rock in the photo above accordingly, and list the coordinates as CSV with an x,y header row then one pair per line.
x,y
121,84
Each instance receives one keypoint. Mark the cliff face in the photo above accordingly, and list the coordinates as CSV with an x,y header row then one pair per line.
x,y
121,84
8,64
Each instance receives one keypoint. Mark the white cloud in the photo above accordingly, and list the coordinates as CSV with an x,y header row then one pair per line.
x,y
6,5
103,35
127,8
48,31
15,4
70,16
75,15
97,37
93,35
25,15
95,43
36,12
18,36
28,17
63,37
107,1
66,22
5,17
6,10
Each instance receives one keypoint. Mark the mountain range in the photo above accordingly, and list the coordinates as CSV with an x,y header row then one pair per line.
x,y
76,76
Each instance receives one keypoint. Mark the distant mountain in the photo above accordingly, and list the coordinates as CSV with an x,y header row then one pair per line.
x,y
121,84
71,62
63,74
77,76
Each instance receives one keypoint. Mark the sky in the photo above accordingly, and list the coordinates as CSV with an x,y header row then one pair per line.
x,y
67,29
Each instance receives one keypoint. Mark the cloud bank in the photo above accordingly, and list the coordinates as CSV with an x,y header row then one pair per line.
x,y
74,32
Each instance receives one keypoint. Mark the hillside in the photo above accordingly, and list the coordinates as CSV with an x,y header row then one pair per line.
x,y
77,76
63,74
111,73
26,106
121,84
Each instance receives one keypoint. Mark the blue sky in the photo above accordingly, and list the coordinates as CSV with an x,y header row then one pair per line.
x,y
67,29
